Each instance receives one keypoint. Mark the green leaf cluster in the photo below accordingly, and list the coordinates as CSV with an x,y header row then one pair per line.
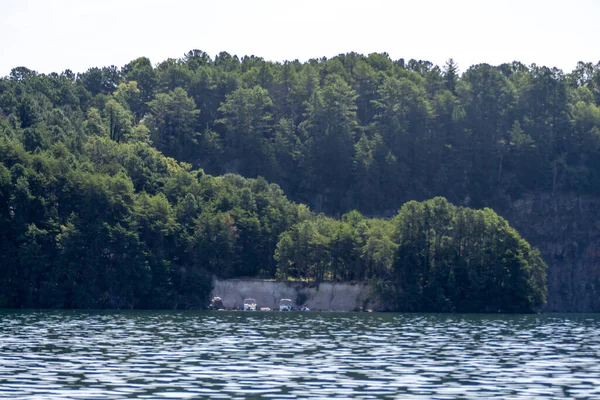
x,y
131,187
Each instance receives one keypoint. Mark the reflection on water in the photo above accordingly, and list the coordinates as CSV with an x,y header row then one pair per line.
x,y
95,355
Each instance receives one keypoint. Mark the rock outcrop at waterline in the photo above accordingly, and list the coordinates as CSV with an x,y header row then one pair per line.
x,y
566,229
327,296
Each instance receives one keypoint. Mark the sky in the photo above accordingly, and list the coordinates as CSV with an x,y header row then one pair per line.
x,y
55,35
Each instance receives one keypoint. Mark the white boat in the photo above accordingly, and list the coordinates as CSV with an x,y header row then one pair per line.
x,y
285,305
249,305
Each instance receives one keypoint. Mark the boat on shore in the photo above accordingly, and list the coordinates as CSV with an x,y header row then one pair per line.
x,y
249,304
285,305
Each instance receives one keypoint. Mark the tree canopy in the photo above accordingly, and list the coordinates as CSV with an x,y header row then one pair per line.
x,y
130,187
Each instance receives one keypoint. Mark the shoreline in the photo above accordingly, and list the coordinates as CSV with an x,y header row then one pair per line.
x,y
325,296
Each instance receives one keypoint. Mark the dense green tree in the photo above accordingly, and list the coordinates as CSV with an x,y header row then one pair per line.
x,y
451,75
330,128
103,202
453,259
248,132
173,117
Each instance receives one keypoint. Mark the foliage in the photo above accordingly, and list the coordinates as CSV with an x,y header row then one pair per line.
x,y
104,199
433,256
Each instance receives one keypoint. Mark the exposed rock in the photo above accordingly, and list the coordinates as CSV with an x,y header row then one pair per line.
x,y
567,231
328,296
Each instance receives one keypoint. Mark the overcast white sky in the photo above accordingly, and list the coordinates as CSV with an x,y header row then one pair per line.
x,y
54,35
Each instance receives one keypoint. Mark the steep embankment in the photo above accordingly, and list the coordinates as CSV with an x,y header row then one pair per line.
x,y
566,228
324,297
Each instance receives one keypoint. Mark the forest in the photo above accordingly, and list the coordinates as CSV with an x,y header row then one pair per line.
x,y
130,187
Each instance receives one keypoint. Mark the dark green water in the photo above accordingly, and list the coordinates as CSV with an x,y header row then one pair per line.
x,y
100,355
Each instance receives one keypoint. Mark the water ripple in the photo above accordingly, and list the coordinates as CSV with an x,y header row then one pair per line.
x,y
151,355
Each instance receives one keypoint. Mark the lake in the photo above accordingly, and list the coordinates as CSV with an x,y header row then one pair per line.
x,y
108,355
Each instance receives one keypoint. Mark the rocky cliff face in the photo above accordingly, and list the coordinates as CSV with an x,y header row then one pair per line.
x,y
328,296
567,231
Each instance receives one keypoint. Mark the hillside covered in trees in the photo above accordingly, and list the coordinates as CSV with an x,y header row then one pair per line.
x,y
352,132
120,187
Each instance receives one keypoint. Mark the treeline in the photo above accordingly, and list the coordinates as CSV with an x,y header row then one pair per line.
x,y
432,256
351,132
104,202
121,226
